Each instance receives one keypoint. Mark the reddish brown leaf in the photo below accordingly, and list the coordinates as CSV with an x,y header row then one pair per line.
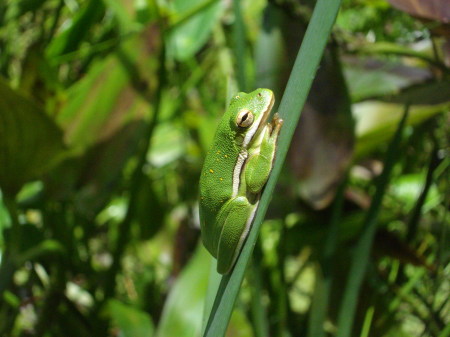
x,y
438,10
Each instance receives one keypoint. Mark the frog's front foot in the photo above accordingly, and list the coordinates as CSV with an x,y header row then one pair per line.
x,y
276,125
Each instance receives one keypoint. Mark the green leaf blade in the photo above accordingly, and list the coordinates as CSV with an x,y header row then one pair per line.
x,y
291,105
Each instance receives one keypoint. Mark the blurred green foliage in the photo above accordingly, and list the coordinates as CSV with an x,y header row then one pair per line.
x,y
106,111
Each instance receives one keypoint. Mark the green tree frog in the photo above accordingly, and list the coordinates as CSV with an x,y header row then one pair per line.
x,y
235,170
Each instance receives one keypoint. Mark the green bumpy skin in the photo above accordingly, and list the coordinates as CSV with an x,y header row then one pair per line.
x,y
235,170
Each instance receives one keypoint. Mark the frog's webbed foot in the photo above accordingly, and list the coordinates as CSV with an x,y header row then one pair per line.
x,y
259,165
275,125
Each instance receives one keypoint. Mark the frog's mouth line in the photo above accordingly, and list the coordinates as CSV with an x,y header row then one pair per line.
x,y
257,127
266,114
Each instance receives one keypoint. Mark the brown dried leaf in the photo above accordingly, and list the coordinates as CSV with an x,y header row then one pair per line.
x,y
438,10
322,146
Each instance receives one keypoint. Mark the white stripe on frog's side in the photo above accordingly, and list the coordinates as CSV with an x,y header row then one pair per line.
x,y
242,157
244,235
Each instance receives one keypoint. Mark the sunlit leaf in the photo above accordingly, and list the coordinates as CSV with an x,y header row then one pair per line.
x,y
176,320
106,98
407,188
169,144
196,18
376,121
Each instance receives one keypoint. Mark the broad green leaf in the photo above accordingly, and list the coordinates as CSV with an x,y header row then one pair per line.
x,y
376,121
89,114
130,321
406,189
106,99
169,144
30,142
191,26
183,310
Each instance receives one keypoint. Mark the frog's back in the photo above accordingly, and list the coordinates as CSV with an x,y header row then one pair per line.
x,y
216,181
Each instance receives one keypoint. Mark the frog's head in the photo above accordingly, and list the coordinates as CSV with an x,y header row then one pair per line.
x,y
249,113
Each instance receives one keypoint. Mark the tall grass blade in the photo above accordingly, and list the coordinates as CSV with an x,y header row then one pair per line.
x,y
291,105
323,285
362,251
416,213
258,312
239,43
367,322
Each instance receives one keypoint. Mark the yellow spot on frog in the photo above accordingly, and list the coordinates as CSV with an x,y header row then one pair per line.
x,y
221,179
211,170
226,156
218,152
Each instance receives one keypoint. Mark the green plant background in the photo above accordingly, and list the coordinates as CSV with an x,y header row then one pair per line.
x,y
107,109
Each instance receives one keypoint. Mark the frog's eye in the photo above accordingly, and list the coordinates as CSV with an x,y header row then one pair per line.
x,y
244,118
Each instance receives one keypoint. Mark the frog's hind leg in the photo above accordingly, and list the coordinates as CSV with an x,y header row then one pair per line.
x,y
237,219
